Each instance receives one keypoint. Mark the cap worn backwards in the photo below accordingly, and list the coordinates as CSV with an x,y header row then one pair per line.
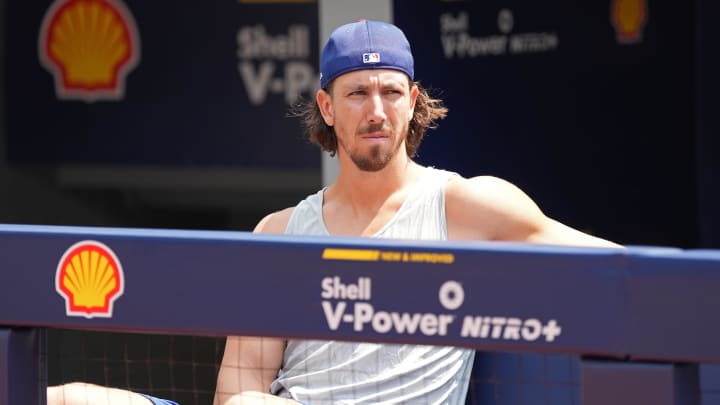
x,y
365,45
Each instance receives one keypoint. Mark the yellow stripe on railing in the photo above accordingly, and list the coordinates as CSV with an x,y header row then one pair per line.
x,y
367,255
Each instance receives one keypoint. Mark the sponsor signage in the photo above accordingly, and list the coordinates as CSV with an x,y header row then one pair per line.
x,y
581,105
347,304
133,83
89,47
90,278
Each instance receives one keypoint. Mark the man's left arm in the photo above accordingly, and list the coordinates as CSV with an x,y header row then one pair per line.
x,y
489,208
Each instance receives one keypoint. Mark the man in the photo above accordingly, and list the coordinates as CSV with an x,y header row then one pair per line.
x,y
371,114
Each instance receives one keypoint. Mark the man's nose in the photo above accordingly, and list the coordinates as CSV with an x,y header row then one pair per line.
x,y
376,109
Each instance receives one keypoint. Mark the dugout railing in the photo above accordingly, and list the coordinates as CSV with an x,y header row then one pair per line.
x,y
641,318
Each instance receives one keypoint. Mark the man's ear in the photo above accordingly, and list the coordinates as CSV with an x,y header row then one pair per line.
x,y
324,101
414,91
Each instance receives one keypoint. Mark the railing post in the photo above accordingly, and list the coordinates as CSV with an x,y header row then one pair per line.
x,y
23,366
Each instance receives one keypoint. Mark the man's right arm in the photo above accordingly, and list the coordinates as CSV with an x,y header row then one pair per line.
x,y
250,364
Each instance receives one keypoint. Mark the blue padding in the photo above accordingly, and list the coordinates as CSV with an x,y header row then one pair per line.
x,y
638,303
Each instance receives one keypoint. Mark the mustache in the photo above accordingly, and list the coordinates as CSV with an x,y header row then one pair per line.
x,y
378,127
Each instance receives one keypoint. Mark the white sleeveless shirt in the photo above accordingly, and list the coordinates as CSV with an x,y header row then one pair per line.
x,y
329,372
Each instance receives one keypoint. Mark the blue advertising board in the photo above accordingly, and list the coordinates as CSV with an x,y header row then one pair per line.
x,y
490,296
587,107
126,82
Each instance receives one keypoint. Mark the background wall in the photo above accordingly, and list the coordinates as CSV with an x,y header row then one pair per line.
x,y
598,130
707,88
195,135
614,138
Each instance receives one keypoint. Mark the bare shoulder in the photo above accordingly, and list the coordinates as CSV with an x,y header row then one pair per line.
x,y
481,190
489,208
478,181
275,222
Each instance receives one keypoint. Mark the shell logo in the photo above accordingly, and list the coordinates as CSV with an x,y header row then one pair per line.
x,y
90,278
89,46
629,18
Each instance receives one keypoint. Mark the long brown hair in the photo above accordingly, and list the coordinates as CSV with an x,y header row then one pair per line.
x,y
427,112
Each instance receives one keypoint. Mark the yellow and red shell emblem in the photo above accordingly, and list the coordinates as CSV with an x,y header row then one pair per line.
x,y
89,46
90,278
629,18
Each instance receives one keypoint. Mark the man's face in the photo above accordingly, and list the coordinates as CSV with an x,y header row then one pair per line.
x,y
370,111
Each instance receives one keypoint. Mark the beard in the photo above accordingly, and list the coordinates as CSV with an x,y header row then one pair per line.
x,y
374,161
378,156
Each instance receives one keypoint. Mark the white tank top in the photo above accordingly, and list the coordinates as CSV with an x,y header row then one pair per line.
x,y
329,372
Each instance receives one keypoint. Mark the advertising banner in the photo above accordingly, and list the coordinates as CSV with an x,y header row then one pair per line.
x,y
587,107
126,82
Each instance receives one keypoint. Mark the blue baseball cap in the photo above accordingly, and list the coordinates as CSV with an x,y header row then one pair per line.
x,y
365,45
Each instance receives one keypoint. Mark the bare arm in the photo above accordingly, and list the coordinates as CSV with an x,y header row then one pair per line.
x,y
250,364
488,208
82,394
248,367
